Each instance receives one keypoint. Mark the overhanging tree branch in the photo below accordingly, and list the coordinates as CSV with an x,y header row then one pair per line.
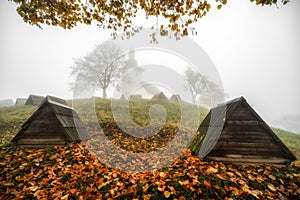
x,y
118,15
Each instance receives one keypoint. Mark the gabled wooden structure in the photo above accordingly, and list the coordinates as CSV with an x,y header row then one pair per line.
x,y
52,124
160,96
234,132
20,101
55,99
175,97
122,96
34,100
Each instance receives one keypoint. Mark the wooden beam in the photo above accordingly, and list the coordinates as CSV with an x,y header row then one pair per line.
x,y
243,122
264,160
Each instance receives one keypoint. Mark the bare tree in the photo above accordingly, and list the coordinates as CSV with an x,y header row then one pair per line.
x,y
99,68
202,89
195,83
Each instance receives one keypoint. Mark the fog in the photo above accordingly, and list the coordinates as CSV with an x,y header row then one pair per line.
x,y
255,50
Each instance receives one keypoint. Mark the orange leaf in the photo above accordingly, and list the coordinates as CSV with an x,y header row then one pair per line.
x,y
235,191
147,197
246,189
73,191
211,170
186,182
271,187
221,176
260,179
250,177
167,194
272,177
207,184
162,174
66,197
173,191
145,187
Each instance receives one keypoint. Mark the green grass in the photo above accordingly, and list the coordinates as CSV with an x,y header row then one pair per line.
x,y
291,140
138,110
11,120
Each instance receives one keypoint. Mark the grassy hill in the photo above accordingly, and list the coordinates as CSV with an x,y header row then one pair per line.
x,y
291,140
73,172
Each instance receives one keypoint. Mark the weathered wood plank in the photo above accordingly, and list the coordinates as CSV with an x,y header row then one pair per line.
x,y
243,122
241,138
250,160
252,152
246,148
39,145
238,128
43,131
242,113
250,144
44,141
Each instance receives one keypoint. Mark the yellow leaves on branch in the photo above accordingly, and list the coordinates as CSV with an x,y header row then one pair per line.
x,y
118,15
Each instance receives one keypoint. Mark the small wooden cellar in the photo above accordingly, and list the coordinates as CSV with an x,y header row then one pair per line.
x,y
20,101
234,132
122,96
160,96
52,124
175,97
56,99
34,100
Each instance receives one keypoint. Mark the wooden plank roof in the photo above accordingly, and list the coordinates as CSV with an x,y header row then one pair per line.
x,y
69,121
20,101
160,95
175,97
220,121
34,100
55,99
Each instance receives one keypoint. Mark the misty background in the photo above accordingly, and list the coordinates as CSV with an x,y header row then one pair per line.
x,y
255,49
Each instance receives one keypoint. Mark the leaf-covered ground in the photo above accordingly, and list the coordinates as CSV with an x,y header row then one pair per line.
x,y
73,173
76,172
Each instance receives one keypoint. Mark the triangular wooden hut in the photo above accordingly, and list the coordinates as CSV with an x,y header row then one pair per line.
x,y
20,101
160,96
122,96
34,100
234,132
52,124
55,99
175,97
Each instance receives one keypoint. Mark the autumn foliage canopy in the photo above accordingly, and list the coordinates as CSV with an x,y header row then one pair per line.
x,y
118,16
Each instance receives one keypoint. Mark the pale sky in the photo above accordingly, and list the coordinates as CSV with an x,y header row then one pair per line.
x,y
255,49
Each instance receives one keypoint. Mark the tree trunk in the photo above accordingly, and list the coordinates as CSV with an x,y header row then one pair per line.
x,y
104,93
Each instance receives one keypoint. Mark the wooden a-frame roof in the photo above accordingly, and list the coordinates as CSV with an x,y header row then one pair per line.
x,y
234,132
54,120
34,100
160,95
